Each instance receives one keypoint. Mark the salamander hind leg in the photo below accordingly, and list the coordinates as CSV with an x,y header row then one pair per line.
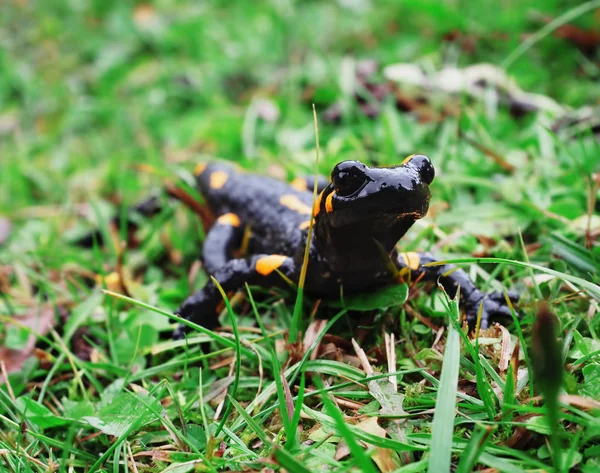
x,y
223,238
260,270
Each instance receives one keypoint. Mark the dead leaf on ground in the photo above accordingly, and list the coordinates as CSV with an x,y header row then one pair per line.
x,y
81,347
40,321
587,41
466,41
385,458
581,402
312,334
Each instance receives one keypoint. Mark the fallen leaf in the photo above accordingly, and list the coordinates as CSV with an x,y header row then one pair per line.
x,y
40,320
580,402
537,279
382,390
81,347
312,333
125,413
587,41
341,451
505,351
385,458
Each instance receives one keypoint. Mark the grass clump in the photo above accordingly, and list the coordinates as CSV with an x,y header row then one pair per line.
x,y
104,102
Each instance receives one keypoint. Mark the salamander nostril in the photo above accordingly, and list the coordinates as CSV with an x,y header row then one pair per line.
x,y
422,164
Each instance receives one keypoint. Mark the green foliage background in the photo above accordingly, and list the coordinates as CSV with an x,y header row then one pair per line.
x,y
91,90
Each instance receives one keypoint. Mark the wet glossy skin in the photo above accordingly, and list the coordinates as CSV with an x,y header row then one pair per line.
x,y
365,208
359,216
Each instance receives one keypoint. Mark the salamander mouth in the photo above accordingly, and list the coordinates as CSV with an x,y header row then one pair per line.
x,y
389,220
414,215
378,216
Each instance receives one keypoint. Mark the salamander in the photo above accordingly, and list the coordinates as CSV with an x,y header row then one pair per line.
x,y
360,214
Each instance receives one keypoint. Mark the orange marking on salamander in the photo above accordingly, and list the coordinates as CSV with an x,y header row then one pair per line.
x,y
411,260
329,202
267,264
304,225
218,179
229,219
317,207
199,169
299,184
294,203
407,159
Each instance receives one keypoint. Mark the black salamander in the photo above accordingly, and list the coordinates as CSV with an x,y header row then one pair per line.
x,y
359,216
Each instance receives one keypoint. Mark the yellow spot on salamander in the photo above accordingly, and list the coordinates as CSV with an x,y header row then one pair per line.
x,y
406,160
229,219
267,264
411,260
294,203
329,202
317,207
299,184
199,169
218,179
304,225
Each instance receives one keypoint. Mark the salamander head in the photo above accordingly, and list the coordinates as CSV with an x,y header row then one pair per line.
x,y
378,197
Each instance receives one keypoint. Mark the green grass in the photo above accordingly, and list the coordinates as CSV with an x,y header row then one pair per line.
x,y
91,90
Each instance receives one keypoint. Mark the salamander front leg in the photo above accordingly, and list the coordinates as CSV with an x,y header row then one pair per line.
x,y
451,278
259,270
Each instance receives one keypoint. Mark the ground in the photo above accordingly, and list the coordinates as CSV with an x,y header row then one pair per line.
x,y
102,103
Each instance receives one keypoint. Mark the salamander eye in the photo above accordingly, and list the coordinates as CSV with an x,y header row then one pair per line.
x,y
348,177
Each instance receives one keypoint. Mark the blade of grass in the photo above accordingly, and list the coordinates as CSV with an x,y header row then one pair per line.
x,y
302,364
358,453
546,30
576,255
445,405
257,429
238,355
500,464
293,335
474,448
508,400
287,461
199,328
360,434
491,371
281,397
292,442
348,384
591,288
522,342
115,445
